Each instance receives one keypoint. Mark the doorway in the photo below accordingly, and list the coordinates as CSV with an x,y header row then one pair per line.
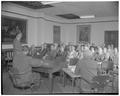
x,y
56,34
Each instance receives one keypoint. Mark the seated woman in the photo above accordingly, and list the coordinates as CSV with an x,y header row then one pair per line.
x,y
92,50
99,55
110,51
23,64
106,54
51,55
72,53
32,50
87,50
61,51
116,56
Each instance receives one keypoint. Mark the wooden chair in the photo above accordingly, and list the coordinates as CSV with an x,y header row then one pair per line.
x,y
8,57
14,75
107,69
99,83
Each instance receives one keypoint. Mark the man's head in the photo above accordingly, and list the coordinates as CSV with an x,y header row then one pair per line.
x,y
25,50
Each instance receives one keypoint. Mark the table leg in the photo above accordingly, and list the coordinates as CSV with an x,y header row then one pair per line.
x,y
112,84
63,79
61,76
51,83
80,85
73,81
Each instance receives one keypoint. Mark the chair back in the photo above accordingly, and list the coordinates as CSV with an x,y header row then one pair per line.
x,y
13,73
8,54
15,76
107,66
74,61
98,82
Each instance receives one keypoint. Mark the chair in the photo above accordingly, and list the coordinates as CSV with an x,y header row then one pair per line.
x,y
8,57
14,75
98,83
3,63
109,70
74,61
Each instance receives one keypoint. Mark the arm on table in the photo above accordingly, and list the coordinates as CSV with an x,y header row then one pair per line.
x,y
40,62
36,62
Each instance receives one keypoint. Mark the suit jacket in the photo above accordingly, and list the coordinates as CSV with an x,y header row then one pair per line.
x,y
87,68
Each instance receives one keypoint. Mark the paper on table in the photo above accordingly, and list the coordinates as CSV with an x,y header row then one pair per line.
x,y
100,63
72,68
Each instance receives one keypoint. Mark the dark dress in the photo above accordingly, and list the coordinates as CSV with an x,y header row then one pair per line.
x,y
17,47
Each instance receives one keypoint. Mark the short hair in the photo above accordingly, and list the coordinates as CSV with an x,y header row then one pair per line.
x,y
25,48
19,32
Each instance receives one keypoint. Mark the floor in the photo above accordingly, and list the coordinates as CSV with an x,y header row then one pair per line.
x,y
8,88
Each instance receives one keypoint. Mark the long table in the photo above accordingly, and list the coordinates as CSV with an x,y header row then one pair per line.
x,y
50,71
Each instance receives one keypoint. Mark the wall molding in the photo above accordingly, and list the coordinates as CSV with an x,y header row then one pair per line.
x,y
58,21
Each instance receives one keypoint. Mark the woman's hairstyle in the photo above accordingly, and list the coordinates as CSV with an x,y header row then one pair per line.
x,y
18,33
17,29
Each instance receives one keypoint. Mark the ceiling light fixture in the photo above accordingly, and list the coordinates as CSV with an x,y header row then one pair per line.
x,y
88,16
49,2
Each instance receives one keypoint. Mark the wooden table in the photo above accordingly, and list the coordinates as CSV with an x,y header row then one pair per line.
x,y
49,71
55,66
71,74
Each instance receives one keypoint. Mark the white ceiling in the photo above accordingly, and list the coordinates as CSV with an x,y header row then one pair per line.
x,y
99,9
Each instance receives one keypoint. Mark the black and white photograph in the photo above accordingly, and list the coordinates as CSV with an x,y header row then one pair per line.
x,y
59,47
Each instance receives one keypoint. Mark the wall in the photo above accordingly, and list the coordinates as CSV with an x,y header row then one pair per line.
x,y
45,33
40,26
69,29
10,10
98,27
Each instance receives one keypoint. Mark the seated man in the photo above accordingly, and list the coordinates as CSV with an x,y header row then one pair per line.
x,y
87,68
23,64
41,52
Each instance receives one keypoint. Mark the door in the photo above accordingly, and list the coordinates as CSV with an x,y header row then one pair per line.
x,y
56,34
111,37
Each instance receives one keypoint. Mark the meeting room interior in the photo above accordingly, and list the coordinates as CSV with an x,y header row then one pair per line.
x,y
59,47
